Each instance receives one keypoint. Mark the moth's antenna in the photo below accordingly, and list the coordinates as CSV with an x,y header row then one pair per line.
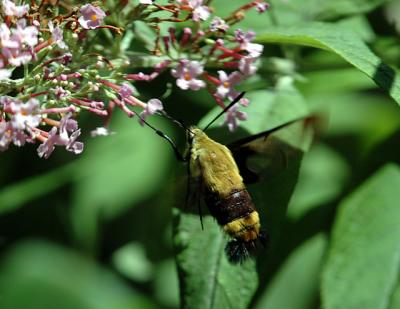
x,y
237,99
178,155
178,122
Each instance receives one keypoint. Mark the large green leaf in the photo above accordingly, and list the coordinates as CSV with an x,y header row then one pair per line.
x,y
206,277
364,258
37,274
341,41
299,275
359,24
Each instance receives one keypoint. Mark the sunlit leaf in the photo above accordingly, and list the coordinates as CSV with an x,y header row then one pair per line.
x,y
364,257
342,42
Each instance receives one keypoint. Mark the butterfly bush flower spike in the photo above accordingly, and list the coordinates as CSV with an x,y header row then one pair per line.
x,y
63,70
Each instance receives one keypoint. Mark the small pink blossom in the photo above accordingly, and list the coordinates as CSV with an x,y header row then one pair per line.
x,y
92,16
47,147
67,124
5,38
57,35
24,34
145,1
60,92
233,116
10,9
244,39
17,43
151,108
73,145
10,135
125,90
247,66
261,7
186,73
17,57
200,11
61,137
25,114
218,24
225,88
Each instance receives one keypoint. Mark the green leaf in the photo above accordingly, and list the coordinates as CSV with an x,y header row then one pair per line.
x,y
363,263
323,175
207,279
335,8
299,275
342,42
334,81
370,118
166,285
131,261
395,301
117,172
296,11
359,24
38,274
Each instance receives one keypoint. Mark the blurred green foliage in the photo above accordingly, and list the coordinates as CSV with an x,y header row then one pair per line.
x,y
107,230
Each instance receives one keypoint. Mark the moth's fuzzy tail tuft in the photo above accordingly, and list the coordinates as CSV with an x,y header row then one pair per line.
x,y
238,250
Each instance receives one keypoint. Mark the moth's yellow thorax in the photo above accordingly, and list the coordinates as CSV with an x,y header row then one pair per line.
x,y
214,163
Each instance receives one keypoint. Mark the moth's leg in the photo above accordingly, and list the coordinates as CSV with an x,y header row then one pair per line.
x,y
194,183
199,205
188,184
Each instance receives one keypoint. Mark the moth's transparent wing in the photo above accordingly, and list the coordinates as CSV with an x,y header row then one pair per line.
x,y
267,153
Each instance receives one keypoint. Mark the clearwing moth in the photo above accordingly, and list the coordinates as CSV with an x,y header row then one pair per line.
x,y
213,168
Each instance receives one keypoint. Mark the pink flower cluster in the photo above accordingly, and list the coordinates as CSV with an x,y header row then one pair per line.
x,y
23,125
237,54
65,75
21,120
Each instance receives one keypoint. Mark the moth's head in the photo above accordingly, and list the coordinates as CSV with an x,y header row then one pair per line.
x,y
239,250
194,132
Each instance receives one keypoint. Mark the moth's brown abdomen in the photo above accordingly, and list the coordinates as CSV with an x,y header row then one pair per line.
x,y
237,204
236,213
